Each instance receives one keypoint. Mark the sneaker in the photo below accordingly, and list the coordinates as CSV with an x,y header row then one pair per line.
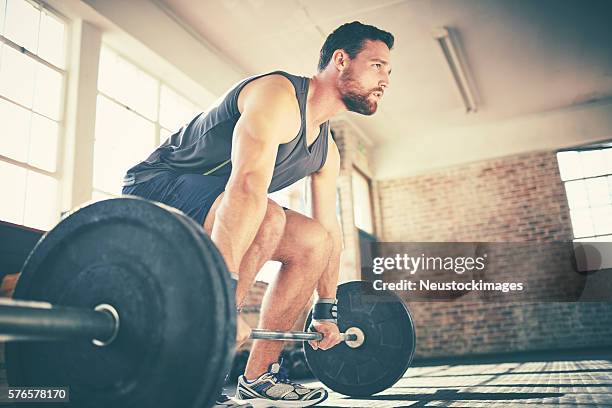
x,y
223,401
274,389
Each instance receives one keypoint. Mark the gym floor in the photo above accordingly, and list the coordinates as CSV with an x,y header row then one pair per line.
x,y
562,379
568,379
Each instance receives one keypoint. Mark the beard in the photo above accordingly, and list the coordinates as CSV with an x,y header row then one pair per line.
x,y
355,98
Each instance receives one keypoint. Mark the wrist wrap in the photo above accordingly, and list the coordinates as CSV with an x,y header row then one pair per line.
x,y
325,310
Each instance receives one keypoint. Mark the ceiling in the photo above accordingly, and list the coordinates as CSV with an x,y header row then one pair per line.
x,y
524,56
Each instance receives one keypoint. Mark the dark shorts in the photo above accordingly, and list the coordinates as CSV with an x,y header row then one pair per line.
x,y
193,194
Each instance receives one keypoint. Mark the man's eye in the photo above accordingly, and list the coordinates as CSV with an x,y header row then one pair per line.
x,y
378,65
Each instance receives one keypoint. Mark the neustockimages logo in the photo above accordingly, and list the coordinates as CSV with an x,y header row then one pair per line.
x,y
413,264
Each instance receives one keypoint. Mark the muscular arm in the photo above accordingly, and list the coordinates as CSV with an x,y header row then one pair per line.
x,y
268,112
323,186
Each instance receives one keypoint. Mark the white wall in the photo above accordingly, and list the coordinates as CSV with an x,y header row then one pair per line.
x,y
421,153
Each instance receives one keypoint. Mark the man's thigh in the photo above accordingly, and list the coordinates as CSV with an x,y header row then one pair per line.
x,y
272,213
209,221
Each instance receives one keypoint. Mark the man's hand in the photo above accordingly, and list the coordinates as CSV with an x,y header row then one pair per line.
x,y
243,331
330,332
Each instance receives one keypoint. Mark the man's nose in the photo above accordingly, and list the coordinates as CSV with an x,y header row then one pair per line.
x,y
384,83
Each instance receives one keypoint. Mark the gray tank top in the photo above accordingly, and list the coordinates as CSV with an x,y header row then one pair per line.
x,y
204,145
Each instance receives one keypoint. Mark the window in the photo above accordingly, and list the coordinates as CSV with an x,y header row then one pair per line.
x,y
362,202
134,113
587,176
32,76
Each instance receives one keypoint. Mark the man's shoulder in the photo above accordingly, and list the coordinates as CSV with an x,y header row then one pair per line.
x,y
279,80
275,88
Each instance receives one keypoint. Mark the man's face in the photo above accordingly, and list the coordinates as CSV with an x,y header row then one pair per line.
x,y
363,83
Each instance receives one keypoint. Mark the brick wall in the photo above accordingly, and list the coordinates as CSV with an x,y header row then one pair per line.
x,y
513,199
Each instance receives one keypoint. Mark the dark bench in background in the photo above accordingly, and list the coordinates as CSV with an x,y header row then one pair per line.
x,y
16,242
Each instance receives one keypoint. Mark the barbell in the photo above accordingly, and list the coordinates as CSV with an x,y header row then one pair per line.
x,y
41,321
129,304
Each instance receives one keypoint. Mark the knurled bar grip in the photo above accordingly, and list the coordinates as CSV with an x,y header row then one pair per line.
x,y
295,336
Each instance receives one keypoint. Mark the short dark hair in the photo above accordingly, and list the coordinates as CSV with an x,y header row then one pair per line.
x,y
351,37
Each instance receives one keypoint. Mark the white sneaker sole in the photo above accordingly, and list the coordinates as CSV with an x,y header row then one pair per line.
x,y
235,403
269,403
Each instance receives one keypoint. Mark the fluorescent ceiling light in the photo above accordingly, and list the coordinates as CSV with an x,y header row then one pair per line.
x,y
449,50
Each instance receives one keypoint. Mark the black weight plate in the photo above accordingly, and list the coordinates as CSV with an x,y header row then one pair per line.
x,y
384,356
227,338
170,288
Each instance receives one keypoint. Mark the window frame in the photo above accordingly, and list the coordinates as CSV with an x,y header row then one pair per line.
x,y
604,145
358,171
57,174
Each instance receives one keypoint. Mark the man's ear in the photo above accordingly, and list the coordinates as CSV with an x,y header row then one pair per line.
x,y
340,59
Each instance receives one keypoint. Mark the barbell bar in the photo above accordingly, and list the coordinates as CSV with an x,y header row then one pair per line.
x,y
42,321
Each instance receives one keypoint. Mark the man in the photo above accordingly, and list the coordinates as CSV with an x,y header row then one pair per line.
x,y
266,133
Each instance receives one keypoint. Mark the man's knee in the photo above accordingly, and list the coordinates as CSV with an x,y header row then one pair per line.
x,y
314,242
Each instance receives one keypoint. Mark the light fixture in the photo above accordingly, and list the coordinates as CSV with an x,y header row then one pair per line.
x,y
449,50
